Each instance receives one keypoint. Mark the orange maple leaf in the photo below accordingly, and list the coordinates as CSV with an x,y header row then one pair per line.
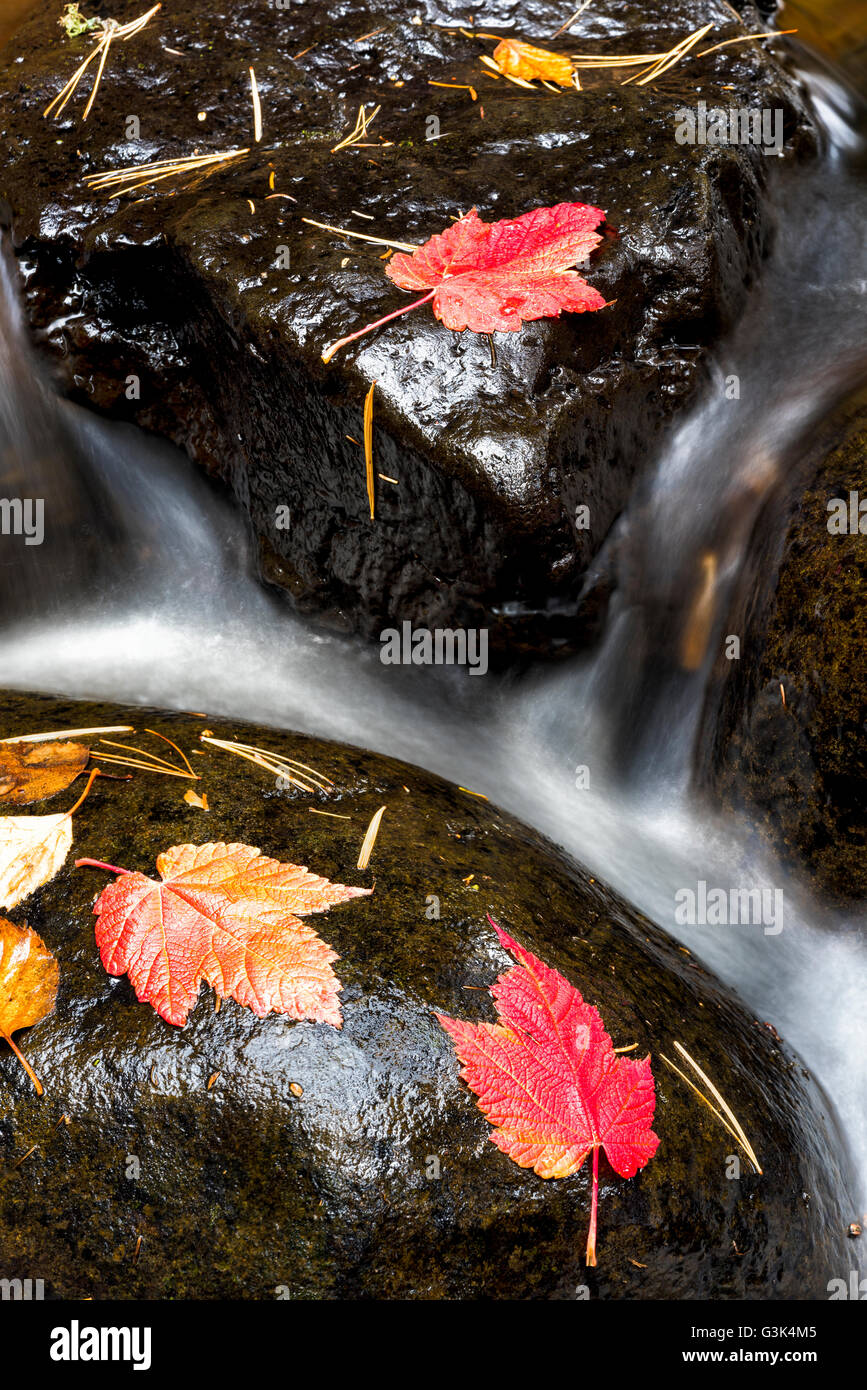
x,y
227,915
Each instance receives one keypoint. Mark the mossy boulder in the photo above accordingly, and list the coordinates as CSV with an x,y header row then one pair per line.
x,y
783,741
200,307
258,1158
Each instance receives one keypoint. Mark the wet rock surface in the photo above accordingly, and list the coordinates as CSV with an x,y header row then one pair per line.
x,y
783,740
240,1156
188,290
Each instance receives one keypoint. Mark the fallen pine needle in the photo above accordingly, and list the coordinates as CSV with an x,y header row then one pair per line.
x,y
456,86
569,22
272,762
179,751
481,795
368,448
137,175
362,124
111,30
744,38
731,1123
362,236
370,839
146,761
28,1153
668,60
333,814
70,733
257,107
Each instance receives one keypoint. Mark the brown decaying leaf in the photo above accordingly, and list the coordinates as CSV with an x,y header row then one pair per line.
x,y
28,985
35,771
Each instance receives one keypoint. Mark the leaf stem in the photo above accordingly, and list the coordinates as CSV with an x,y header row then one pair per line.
x,y
98,864
342,342
594,1201
94,774
24,1062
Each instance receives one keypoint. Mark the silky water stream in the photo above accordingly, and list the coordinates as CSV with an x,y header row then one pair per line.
x,y
143,591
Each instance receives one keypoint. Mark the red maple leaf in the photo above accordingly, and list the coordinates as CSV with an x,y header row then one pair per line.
x,y
493,276
223,914
548,1078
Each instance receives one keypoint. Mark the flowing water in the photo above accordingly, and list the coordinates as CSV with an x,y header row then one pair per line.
x,y
143,591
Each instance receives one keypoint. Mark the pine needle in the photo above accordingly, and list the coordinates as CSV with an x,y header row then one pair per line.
x,y
69,733
370,839
362,123
368,448
731,1123
272,762
569,22
126,180
111,30
179,751
745,38
144,767
146,761
257,107
670,59
361,236
456,86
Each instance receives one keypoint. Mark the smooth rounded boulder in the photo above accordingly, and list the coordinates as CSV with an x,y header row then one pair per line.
x,y
260,1158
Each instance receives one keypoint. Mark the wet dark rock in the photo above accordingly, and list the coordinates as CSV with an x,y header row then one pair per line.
x,y
376,1178
187,292
783,729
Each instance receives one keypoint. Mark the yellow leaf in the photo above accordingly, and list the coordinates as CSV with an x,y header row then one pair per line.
x,y
28,985
517,59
